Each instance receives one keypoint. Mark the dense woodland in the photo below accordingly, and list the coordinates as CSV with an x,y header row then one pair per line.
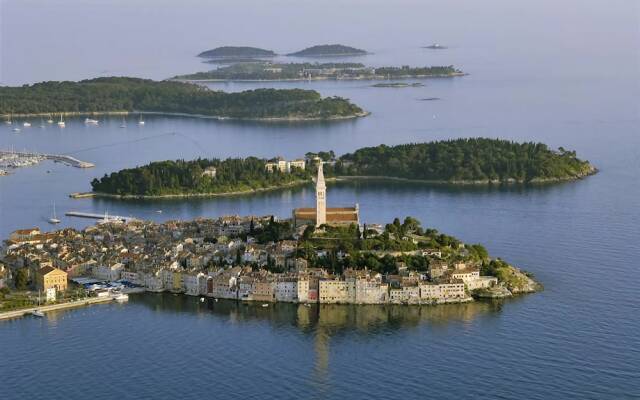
x,y
454,161
133,94
188,177
477,159
328,50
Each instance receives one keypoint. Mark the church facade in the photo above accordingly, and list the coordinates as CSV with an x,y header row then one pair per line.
x,y
321,215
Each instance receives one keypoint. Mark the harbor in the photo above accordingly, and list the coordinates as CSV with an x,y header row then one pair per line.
x,y
102,217
17,159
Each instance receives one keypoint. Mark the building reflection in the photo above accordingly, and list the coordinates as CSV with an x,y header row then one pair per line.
x,y
325,321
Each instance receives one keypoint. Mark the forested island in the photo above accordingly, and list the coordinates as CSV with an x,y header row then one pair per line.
x,y
460,161
237,52
328,50
267,71
121,94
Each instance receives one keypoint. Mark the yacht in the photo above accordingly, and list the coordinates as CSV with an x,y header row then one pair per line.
x,y
61,122
90,121
26,124
54,219
37,313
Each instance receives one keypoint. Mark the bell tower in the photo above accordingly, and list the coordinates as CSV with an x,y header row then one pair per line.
x,y
321,197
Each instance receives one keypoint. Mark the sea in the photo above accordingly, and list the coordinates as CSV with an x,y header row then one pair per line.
x,y
565,74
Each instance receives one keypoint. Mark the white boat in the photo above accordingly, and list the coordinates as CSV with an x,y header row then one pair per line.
x,y
158,211
37,313
121,297
140,121
90,121
265,305
54,219
123,124
61,122
16,130
50,120
26,124
201,299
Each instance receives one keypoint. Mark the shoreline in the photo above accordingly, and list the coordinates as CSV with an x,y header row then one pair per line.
x,y
175,114
325,78
53,307
345,178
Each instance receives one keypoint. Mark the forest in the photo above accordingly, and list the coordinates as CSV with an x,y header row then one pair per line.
x,y
475,160
140,95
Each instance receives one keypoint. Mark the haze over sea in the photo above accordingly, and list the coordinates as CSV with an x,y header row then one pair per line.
x,y
565,74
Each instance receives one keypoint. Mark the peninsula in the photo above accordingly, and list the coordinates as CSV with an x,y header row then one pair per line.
x,y
252,258
232,52
267,71
127,95
329,50
477,161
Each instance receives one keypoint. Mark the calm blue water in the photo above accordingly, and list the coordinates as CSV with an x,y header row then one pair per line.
x,y
566,76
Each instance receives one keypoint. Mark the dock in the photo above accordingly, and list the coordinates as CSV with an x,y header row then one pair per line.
x,y
99,216
61,158
61,306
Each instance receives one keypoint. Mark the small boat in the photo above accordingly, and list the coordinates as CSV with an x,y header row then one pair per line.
x,y
216,300
42,125
50,120
123,124
90,121
307,305
37,313
201,299
121,297
26,124
265,305
54,219
16,130
61,123
140,121
158,211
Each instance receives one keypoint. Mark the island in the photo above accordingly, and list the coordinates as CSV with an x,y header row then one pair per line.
x,y
479,161
113,95
267,71
261,259
435,46
328,50
231,52
397,85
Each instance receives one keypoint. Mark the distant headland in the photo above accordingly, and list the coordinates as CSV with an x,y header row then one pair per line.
x,y
328,50
267,71
476,161
122,95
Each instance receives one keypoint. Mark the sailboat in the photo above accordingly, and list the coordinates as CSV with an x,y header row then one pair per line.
x,y
8,120
124,124
42,123
61,123
50,120
140,122
54,219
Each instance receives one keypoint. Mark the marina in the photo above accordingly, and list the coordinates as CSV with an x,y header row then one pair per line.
x,y
102,217
17,159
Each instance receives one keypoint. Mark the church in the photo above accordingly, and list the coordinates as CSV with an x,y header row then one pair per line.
x,y
321,215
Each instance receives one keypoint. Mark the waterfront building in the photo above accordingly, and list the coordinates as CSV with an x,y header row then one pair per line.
x,y
286,289
51,277
321,215
442,292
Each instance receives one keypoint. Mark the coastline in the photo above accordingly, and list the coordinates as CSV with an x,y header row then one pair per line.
x,y
61,306
202,116
345,178
326,78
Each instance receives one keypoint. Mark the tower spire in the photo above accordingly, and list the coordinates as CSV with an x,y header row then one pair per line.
x,y
321,197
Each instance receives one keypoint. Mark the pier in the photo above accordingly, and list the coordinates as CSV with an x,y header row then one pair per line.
x,y
105,217
68,160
